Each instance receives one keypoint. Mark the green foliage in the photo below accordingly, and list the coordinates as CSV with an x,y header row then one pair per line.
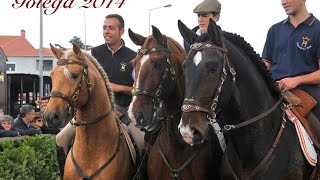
x,y
32,158
78,41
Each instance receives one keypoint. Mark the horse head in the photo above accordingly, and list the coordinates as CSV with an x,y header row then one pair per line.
x,y
156,74
205,73
71,85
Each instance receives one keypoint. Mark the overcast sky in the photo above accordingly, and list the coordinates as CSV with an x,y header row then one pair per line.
x,y
248,18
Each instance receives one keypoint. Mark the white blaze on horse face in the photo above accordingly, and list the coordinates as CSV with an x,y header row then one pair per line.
x,y
136,85
186,133
197,58
68,74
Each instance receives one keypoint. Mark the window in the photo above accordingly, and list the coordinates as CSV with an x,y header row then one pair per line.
x,y
47,65
11,67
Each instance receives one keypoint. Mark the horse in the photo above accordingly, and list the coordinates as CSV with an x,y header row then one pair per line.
x,y
158,94
227,82
80,87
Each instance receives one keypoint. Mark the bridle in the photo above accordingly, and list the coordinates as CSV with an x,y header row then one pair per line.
x,y
72,99
190,105
168,72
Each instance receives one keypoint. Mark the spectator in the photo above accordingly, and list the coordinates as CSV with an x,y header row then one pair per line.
x,y
6,129
42,103
1,113
40,124
24,119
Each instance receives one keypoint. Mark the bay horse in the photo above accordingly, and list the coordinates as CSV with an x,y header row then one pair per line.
x,y
225,78
158,94
99,150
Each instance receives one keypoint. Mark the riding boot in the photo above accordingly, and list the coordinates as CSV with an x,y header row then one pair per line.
x,y
61,157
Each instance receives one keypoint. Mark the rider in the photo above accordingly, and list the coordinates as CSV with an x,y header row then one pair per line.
x,y
205,10
292,51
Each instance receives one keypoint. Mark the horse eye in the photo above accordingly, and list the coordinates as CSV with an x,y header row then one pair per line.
x,y
74,75
212,66
157,64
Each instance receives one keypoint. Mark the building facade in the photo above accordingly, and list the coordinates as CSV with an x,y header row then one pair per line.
x,y
22,69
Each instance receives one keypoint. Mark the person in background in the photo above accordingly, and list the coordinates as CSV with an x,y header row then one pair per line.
x,y
207,9
6,129
24,119
1,112
40,124
42,103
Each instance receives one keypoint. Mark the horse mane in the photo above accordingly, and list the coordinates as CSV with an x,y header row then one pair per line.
x,y
255,58
182,54
103,73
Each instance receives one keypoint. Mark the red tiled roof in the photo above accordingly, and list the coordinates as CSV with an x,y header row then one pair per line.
x,y
19,46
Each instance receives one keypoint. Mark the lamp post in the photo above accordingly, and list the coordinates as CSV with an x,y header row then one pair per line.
x,y
85,30
41,55
165,6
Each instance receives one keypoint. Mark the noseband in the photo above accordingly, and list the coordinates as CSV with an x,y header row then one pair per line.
x,y
155,94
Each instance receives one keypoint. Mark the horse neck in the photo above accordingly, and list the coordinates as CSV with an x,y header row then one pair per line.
x,y
98,105
251,97
172,110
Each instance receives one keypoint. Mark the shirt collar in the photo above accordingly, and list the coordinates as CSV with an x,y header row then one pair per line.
x,y
308,22
114,51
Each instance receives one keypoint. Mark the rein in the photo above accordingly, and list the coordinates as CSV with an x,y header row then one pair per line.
x,y
80,172
175,173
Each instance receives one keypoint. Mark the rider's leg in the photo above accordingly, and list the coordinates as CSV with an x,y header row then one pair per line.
x,y
64,141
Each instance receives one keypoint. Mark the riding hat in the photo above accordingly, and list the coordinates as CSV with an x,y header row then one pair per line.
x,y
208,6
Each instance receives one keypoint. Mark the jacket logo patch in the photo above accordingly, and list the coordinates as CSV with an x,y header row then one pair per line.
x,y
303,45
123,66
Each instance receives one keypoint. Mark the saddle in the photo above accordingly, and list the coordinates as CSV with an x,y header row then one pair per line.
x,y
301,104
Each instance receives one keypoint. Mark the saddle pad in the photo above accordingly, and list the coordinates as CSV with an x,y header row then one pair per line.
x,y
306,143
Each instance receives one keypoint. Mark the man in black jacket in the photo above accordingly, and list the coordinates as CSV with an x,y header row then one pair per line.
x,y
24,119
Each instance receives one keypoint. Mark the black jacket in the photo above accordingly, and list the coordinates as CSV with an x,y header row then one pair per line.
x,y
18,124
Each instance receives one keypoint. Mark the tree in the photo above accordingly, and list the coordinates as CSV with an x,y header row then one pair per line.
x,y
78,41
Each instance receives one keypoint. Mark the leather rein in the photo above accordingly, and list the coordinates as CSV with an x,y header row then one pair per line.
x,y
191,105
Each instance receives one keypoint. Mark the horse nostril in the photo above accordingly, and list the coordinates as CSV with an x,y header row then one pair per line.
x,y
197,136
140,117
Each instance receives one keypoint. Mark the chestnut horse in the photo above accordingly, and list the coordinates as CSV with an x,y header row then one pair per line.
x,y
99,150
225,78
159,86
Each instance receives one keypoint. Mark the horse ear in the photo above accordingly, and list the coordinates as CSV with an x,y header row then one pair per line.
x,y
77,50
214,33
158,36
188,35
58,53
136,38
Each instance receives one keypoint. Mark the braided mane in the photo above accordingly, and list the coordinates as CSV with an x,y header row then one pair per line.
x,y
255,58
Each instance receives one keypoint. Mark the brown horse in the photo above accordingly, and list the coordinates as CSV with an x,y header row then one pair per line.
x,y
158,95
99,150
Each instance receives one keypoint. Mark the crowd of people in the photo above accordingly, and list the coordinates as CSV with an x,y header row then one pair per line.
x,y
28,122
